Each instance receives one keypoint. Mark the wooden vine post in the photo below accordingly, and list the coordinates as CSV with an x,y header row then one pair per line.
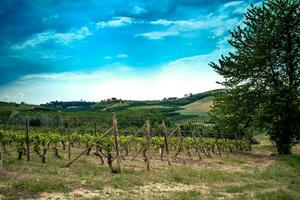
x,y
117,142
218,143
148,144
83,152
1,157
95,132
197,147
166,142
236,142
224,147
248,135
181,145
69,142
27,141
205,149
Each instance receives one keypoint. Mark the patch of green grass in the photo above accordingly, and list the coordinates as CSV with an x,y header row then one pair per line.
x,y
32,187
186,195
184,112
291,160
191,175
279,180
236,159
276,195
247,187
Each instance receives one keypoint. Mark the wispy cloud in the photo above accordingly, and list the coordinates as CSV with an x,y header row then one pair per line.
x,y
125,69
5,97
233,4
139,10
116,22
163,22
60,38
48,56
107,57
157,35
65,76
122,55
218,22
52,56
174,78
51,17
21,95
237,7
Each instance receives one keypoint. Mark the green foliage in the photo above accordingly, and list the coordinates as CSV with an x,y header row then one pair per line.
x,y
263,75
43,141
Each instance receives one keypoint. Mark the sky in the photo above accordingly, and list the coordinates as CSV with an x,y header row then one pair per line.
x,y
130,49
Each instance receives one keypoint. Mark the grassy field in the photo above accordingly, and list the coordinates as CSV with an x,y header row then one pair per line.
x,y
256,175
200,106
148,107
13,106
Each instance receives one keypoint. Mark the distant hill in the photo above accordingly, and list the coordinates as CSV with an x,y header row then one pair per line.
x,y
201,106
192,107
8,108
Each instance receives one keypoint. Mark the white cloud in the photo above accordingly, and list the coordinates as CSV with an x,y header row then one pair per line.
x,y
157,35
65,76
116,22
139,10
122,55
175,78
5,97
69,37
61,38
107,57
218,22
162,22
125,69
233,4
51,17
48,56
236,7
164,82
21,95
52,56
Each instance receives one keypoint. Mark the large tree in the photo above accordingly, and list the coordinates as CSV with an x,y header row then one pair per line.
x,y
262,74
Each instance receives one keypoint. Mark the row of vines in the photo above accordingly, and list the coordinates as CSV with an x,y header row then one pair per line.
x,y
55,142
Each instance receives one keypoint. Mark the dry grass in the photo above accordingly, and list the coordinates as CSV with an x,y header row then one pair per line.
x,y
250,175
200,106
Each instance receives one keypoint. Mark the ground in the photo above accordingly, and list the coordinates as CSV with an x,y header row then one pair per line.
x,y
260,174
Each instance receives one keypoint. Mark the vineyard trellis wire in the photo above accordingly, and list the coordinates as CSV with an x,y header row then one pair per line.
x,y
112,144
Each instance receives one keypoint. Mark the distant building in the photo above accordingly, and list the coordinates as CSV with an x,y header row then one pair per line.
x,y
170,99
114,100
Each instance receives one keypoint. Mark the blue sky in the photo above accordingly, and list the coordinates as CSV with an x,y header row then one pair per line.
x,y
130,49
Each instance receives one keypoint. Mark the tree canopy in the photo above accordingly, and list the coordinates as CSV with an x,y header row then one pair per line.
x,y
262,74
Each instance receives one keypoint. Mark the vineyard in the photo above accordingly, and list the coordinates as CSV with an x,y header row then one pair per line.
x,y
165,144
202,119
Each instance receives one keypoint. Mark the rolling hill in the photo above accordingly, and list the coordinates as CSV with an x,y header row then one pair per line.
x,y
194,107
199,106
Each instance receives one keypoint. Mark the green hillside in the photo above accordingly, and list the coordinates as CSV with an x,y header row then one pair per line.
x,y
200,106
194,107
